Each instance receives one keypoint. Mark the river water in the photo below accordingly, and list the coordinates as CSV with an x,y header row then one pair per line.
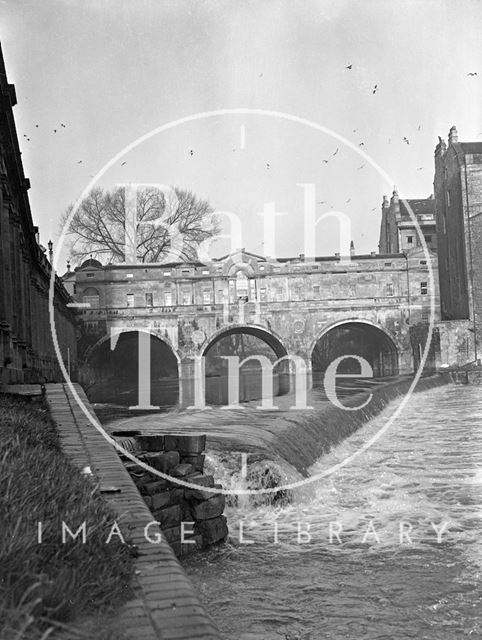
x,y
424,473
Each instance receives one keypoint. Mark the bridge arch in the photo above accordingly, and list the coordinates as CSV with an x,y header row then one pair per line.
x,y
266,335
360,337
261,342
112,376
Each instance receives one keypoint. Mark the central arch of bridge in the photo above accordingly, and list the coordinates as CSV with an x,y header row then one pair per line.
x,y
355,338
111,376
243,342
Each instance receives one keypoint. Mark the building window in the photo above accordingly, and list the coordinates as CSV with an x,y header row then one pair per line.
x,y
206,296
409,239
130,299
262,294
149,301
186,297
423,262
425,314
389,289
90,275
428,239
168,299
423,288
316,291
242,286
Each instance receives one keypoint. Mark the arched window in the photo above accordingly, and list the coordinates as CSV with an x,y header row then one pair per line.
x,y
91,296
242,286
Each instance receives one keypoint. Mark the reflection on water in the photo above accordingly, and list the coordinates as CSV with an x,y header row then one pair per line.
x,y
422,476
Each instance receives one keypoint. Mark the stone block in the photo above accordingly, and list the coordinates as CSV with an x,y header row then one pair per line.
x,y
200,480
168,516
172,534
160,500
141,480
197,461
151,442
212,531
182,470
176,495
162,461
133,467
208,509
153,487
198,495
186,444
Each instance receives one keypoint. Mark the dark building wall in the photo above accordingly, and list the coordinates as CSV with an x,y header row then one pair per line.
x,y
26,347
451,234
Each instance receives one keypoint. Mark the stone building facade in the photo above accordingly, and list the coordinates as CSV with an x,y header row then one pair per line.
x,y
458,198
288,303
398,231
26,347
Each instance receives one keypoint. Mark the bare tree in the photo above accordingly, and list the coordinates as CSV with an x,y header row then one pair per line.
x,y
100,227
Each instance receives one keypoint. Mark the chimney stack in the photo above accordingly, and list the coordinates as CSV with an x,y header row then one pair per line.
x,y
352,248
453,135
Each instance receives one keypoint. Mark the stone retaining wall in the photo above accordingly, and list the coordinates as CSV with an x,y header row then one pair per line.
x,y
190,519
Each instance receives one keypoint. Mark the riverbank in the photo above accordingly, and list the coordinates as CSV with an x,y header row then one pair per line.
x,y
45,583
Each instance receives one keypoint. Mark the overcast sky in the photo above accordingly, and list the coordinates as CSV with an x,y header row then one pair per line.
x,y
113,70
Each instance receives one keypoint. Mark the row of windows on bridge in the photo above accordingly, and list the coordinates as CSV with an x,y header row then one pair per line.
x,y
235,294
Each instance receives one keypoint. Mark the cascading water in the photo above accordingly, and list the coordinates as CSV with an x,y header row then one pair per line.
x,y
385,547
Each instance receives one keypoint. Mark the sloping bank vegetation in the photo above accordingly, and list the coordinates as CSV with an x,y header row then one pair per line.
x,y
51,589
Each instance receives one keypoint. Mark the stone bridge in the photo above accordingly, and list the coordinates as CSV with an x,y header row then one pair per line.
x,y
317,309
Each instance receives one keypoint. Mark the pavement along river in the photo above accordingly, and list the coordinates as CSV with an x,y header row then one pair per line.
x,y
387,573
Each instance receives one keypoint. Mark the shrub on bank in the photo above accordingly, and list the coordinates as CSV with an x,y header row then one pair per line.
x,y
51,583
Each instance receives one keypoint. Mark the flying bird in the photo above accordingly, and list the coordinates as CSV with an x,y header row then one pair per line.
x,y
36,126
419,127
260,75
325,161
55,130
79,162
406,140
62,125
375,89
349,200
362,144
361,167
123,163
472,73
419,168
355,130
349,66
321,202
267,165
337,149
374,208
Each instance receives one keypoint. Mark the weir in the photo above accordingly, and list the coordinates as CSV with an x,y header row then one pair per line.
x,y
298,438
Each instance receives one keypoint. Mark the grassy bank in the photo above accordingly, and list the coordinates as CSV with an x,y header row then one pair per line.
x,y
52,586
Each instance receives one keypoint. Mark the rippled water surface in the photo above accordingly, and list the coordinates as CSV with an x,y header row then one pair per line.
x,y
425,472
